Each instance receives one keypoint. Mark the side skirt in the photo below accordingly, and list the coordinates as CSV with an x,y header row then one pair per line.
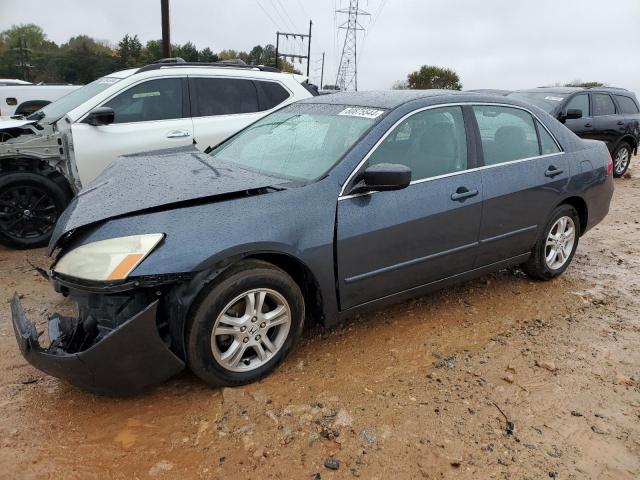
x,y
426,288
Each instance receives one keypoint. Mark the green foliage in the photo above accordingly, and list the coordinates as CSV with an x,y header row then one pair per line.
x,y
83,59
430,76
130,51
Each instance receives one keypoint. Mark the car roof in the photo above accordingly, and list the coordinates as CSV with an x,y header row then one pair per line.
x,y
551,90
379,98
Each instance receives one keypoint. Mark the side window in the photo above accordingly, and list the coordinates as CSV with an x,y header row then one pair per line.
x,y
506,133
223,96
627,104
431,143
153,100
580,102
547,143
270,94
602,104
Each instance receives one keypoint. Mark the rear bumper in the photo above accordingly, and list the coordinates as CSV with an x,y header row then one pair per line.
x,y
125,361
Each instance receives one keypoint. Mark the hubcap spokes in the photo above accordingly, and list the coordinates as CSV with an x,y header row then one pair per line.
x,y
622,160
26,212
251,329
560,241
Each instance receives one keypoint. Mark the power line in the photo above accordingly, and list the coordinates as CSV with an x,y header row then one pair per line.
x,y
293,25
275,24
287,26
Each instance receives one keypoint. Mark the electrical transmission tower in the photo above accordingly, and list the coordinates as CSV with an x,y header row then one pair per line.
x,y
347,77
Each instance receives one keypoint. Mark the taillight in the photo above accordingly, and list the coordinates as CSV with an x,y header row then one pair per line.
x,y
610,166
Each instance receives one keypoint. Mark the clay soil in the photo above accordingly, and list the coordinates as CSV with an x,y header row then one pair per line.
x,y
502,377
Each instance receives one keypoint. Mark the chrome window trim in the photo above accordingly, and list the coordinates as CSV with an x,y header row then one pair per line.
x,y
342,196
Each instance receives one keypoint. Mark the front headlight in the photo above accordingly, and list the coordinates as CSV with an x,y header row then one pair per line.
x,y
112,259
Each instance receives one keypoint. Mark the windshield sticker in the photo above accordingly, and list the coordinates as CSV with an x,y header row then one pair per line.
x,y
361,112
555,99
145,94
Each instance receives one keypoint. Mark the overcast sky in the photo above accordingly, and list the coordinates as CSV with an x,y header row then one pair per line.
x,y
491,43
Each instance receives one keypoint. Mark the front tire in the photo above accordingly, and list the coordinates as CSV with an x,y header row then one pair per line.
x,y
245,325
621,159
30,204
556,245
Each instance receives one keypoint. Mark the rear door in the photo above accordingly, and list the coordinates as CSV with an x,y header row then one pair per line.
x,y
523,174
222,106
388,242
149,115
606,120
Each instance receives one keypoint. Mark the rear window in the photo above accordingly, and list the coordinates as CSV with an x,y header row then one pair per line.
x,y
223,96
270,94
627,104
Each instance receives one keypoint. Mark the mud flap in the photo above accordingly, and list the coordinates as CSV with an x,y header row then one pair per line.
x,y
129,359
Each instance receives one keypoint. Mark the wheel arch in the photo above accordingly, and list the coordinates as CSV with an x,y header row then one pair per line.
x,y
35,165
185,297
27,106
301,274
581,207
631,140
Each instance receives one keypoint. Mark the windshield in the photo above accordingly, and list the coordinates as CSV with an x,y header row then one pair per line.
x,y
547,101
56,110
299,142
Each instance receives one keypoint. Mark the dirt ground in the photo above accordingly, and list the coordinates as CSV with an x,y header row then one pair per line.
x,y
501,377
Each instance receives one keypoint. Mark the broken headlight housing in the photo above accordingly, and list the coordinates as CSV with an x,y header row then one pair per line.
x,y
107,260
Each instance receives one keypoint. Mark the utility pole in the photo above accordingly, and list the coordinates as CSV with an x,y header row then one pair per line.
x,y
309,48
294,56
166,33
322,71
347,77
23,54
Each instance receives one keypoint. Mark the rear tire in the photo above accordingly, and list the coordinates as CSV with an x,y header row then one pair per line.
x,y
554,249
30,205
230,341
621,159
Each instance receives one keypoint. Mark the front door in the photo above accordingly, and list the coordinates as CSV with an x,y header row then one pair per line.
x,y
388,242
583,127
151,115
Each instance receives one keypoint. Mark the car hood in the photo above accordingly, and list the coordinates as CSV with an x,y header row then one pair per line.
x,y
9,122
152,180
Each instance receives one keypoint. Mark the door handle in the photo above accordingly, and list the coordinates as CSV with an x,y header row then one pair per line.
x,y
587,125
178,134
552,171
463,192
620,122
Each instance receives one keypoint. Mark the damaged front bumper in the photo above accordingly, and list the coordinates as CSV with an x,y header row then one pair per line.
x,y
121,361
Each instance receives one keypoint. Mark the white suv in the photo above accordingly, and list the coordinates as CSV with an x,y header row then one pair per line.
x,y
53,153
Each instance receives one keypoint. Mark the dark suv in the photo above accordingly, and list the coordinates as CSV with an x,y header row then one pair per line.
x,y
608,114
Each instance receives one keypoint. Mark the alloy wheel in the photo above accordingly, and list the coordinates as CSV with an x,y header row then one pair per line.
x,y
560,242
621,161
251,329
26,212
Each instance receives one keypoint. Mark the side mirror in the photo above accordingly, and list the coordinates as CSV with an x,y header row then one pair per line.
x,y
384,177
100,116
571,114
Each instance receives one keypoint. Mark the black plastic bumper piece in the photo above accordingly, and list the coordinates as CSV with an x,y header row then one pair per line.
x,y
129,359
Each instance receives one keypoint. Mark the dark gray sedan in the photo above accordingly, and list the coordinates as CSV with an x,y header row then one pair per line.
x,y
319,210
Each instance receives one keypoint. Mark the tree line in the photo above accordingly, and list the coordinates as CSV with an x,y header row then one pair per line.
x,y
26,53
